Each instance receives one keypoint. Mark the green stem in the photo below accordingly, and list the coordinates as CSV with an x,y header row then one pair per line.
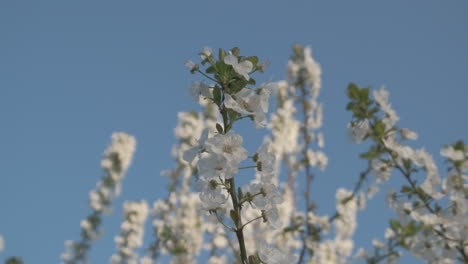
x,y
238,220
222,222
250,221
248,167
207,76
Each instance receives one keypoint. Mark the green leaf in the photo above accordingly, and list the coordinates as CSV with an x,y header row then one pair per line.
x,y
219,128
379,128
233,115
394,224
406,189
412,228
251,81
373,110
368,155
254,260
14,260
235,51
252,59
210,69
222,67
234,216
350,106
364,94
221,54
217,95
239,193
353,91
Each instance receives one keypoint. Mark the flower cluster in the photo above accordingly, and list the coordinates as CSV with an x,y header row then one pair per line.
x,y
213,213
131,233
219,155
117,159
432,215
178,224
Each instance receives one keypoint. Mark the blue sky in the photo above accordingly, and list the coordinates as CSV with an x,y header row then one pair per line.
x,y
72,72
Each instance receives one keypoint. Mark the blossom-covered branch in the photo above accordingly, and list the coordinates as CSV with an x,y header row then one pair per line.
x,y
117,159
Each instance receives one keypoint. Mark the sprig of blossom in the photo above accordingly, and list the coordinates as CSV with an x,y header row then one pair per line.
x,y
131,233
425,227
177,222
117,159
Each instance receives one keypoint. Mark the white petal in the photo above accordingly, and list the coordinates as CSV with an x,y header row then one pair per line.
x,y
230,60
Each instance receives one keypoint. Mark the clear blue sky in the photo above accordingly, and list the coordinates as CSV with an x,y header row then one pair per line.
x,y
72,72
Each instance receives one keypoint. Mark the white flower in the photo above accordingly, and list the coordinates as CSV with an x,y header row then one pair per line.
x,y
206,53
217,260
322,221
389,233
197,89
381,96
215,166
190,65
228,146
272,255
317,158
243,68
118,156
211,196
308,68
378,244
131,232
313,69
431,185
358,131
146,260
381,170
406,133
192,152
452,154
270,196
320,140
266,162
362,254
213,199
248,102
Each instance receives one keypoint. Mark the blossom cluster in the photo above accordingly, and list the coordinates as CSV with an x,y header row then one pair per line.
x,y
215,214
131,233
116,161
432,215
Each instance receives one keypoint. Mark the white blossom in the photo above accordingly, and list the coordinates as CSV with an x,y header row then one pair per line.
x,y
358,131
406,133
131,232
228,146
191,153
381,96
214,166
452,154
249,102
317,158
206,53
190,65
266,162
271,255
268,198
146,260
197,89
243,68
381,170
